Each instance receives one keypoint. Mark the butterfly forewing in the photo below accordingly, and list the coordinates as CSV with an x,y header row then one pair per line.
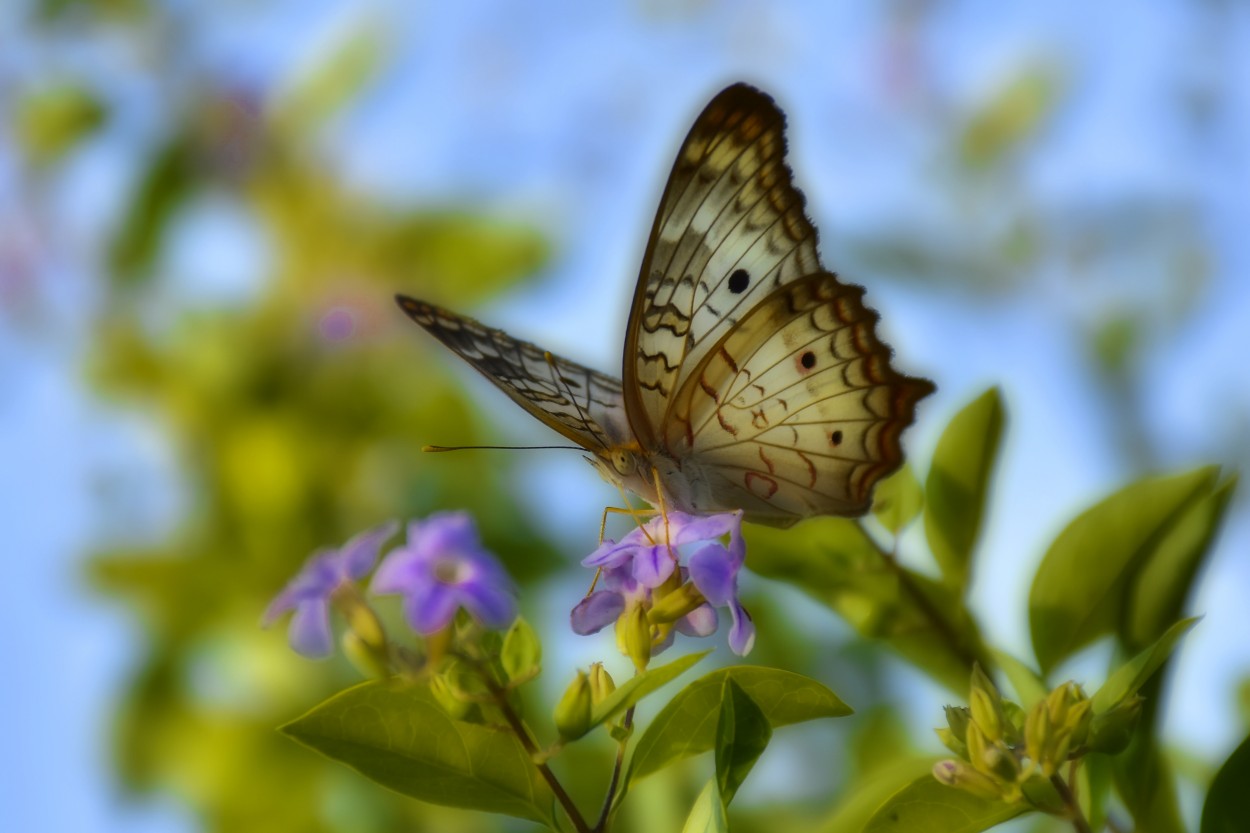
x,y
582,404
753,378
796,411
729,231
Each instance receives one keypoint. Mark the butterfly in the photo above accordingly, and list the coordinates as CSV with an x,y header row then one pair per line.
x,y
753,378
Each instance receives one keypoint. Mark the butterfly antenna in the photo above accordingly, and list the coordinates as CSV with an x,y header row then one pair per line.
x,y
436,448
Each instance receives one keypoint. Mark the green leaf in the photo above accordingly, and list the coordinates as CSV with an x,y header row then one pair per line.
x,y
958,482
639,686
865,795
1147,787
522,653
898,499
401,738
687,725
708,813
1078,592
333,82
1028,686
742,735
1225,808
834,561
50,122
927,806
1132,675
1157,594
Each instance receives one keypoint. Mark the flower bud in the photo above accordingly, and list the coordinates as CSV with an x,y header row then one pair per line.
x,y
951,742
1111,731
986,714
601,683
674,605
962,776
633,636
572,714
456,707
371,660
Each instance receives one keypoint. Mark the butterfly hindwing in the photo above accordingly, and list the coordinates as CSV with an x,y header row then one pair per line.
x,y
730,229
796,411
582,404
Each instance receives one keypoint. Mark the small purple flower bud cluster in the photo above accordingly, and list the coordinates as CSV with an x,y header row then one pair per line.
x,y
647,561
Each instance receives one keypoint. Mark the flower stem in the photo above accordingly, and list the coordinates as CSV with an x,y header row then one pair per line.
x,y
1079,823
523,734
610,797
940,623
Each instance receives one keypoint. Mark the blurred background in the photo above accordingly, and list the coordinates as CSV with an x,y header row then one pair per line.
x,y
205,209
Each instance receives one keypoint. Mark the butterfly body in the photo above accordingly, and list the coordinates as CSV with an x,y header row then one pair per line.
x,y
753,378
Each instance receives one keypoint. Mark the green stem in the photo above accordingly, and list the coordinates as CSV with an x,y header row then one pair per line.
x,y
602,824
1074,808
939,622
531,747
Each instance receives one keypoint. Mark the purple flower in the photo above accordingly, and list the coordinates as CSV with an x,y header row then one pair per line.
x,y
443,568
648,556
652,549
323,575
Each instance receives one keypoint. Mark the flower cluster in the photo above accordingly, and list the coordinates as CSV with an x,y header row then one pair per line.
x,y
667,576
442,568
652,595
1012,755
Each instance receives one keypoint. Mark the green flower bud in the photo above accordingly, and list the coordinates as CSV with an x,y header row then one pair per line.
x,y
675,605
601,683
521,653
371,660
1111,731
572,714
986,714
456,707
962,776
1041,793
951,742
958,717
633,636
986,706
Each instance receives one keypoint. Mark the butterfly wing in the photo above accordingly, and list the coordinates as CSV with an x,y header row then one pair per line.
x,y
730,230
797,410
582,404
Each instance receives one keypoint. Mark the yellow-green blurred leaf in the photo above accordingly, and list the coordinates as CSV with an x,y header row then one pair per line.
x,y
50,122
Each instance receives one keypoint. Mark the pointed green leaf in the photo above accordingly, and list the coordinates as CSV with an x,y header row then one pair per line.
x,y
639,686
401,738
1079,589
958,482
1157,595
742,735
898,499
687,725
1225,809
1131,676
928,806
1029,687
708,813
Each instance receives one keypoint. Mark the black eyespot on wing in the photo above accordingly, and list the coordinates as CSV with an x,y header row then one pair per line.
x,y
808,360
738,281
836,438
